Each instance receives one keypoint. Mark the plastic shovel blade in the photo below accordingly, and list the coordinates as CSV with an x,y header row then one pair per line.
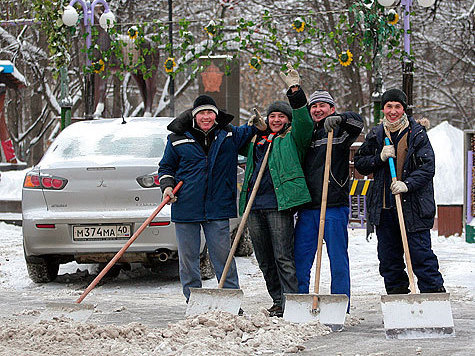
x,y
331,309
417,316
77,312
203,300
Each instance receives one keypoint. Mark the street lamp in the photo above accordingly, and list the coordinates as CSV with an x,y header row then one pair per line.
x,y
408,65
106,21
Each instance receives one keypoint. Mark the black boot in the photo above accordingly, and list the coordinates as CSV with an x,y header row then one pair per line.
x,y
435,290
276,310
398,290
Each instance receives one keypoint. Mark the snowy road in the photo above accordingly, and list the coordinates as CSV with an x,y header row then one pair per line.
x,y
154,301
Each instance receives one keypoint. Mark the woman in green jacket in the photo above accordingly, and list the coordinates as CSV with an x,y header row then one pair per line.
x,y
271,220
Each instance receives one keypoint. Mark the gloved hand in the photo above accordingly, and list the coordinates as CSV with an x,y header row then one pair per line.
x,y
290,76
258,121
387,151
398,187
169,192
332,122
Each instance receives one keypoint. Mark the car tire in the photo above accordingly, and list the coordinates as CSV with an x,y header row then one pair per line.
x,y
42,270
244,247
206,267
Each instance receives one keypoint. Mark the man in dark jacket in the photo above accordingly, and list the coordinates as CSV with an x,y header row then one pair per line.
x,y
415,166
202,152
346,128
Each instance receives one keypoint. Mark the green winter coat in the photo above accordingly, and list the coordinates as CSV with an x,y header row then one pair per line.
x,y
285,159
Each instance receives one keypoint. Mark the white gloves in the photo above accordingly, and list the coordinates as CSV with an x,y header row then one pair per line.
x,y
290,76
169,192
257,121
398,187
388,151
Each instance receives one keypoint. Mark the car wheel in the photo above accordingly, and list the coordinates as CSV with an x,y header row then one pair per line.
x,y
244,247
41,269
206,267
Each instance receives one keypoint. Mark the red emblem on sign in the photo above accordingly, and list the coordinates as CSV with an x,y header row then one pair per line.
x,y
212,78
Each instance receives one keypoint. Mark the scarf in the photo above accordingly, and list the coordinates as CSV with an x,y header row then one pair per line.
x,y
398,125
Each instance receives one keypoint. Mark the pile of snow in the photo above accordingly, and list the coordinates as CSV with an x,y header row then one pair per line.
x,y
447,142
11,183
211,333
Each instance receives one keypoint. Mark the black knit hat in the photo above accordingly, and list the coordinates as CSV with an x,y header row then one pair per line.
x,y
280,106
204,102
394,95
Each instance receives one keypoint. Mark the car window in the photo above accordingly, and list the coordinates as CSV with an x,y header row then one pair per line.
x,y
111,142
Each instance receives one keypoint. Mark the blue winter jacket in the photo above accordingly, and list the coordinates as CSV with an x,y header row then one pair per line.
x,y
209,181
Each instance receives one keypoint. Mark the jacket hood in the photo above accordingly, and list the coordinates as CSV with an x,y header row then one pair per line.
x,y
184,122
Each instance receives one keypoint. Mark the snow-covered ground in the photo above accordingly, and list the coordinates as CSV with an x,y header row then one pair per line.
x,y
150,302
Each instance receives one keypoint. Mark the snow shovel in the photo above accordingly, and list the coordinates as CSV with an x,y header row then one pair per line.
x,y
414,316
327,309
127,245
203,300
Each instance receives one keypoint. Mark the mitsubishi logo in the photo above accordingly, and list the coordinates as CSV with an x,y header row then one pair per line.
x,y
102,184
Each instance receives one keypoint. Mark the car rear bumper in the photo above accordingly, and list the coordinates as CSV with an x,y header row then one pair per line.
x,y
58,240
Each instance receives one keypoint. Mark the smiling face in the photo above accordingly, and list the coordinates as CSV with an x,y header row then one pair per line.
x,y
393,110
277,121
320,110
205,119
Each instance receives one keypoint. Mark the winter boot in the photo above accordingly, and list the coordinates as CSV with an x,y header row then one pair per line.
x,y
276,310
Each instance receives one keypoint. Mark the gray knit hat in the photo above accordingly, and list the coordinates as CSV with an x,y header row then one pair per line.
x,y
321,96
280,106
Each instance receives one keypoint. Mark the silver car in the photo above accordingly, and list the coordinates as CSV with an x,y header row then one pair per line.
x,y
96,184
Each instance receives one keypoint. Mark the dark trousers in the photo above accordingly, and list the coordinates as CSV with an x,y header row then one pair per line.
x,y
272,235
391,256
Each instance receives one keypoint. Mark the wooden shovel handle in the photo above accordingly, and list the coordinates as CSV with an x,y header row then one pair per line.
x,y
402,225
244,218
127,245
323,210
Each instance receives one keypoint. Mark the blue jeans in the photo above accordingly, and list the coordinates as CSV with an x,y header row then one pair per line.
x,y
272,235
336,239
391,252
218,243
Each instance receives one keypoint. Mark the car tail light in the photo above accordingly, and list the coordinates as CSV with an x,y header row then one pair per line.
x,y
37,181
148,181
159,223
32,180
45,226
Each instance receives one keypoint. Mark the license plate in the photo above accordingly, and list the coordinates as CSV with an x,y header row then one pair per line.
x,y
101,232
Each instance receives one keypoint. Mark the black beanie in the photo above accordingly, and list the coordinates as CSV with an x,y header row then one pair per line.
x,y
280,106
394,95
204,102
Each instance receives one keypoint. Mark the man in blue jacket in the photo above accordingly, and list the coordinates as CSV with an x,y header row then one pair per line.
x,y
415,167
202,152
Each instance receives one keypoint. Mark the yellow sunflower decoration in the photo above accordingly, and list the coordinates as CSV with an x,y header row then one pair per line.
x,y
211,28
255,63
298,24
393,17
133,32
98,66
345,58
169,64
